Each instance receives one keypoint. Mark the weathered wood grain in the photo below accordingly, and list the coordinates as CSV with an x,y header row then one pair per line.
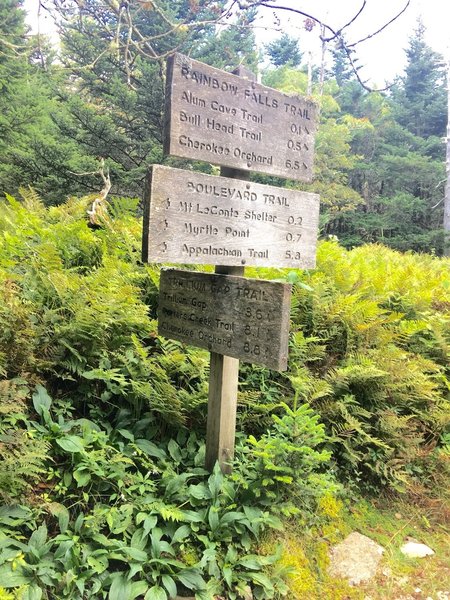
x,y
218,117
193,218
223,378
243,318
222,406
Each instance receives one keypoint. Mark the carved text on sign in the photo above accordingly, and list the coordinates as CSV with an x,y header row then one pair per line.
x,y
193,218
215,116
243,318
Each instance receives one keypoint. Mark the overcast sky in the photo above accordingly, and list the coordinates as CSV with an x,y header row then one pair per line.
x,y
383,56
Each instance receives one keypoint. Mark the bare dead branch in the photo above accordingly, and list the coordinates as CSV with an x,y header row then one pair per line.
x,y
352,20
381,28
129,41
98,212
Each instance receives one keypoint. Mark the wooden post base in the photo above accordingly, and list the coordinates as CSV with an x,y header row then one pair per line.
x,y
222,404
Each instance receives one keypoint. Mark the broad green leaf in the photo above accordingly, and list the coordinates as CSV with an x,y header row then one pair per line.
x,y
262,580
11,579
61,513
33,592
227,573
99,565
126,434
155,593
170,585
252,513
191,579
174,450
38,537
135,554
181,534
176,483
79,523
120,588
14,514
200,491
213,519
215,481
41,400
138,588
63,548
252,562
150,523
155,538
231,516
138,539
150,448
232,555
166,547
96,585
71,443
82,477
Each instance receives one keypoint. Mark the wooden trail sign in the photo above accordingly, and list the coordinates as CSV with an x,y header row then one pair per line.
x,y
232,121
193,218
218,117
243,318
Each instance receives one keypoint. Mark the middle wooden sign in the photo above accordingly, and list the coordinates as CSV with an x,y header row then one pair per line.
x,y
193,218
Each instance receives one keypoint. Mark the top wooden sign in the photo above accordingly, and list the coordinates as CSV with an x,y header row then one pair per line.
x,y
217,117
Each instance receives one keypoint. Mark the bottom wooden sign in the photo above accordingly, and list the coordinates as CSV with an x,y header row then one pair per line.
x,y
244,318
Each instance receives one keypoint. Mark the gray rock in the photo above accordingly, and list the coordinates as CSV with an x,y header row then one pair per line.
x,y
355,559
416,549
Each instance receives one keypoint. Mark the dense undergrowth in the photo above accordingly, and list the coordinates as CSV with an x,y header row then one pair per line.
x,y
102,422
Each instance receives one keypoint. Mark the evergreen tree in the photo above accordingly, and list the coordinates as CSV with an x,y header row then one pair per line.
x,y
341,68
398,174
27,133
420,98
231,46
284,51
115,100
15,116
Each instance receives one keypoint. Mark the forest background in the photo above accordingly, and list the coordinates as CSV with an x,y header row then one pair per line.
x,y
102,422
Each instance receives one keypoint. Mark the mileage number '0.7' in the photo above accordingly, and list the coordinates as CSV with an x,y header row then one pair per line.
x,y
293,237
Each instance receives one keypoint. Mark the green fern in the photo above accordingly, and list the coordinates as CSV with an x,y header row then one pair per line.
x,y
22,456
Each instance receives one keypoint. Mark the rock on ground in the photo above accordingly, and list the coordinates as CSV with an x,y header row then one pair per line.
x,y
355,559
416,550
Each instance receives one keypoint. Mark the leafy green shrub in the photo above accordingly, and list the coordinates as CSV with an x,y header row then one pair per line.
x,y
124,507
22,457
282,468
73,312
370,346
146,518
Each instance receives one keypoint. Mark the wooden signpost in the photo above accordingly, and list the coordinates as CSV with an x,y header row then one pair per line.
x,y
224,119
193,218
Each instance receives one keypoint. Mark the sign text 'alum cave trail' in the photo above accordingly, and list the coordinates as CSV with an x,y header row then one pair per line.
x,y
220,118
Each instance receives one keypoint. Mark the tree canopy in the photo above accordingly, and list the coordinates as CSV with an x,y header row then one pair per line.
x,y
101,101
